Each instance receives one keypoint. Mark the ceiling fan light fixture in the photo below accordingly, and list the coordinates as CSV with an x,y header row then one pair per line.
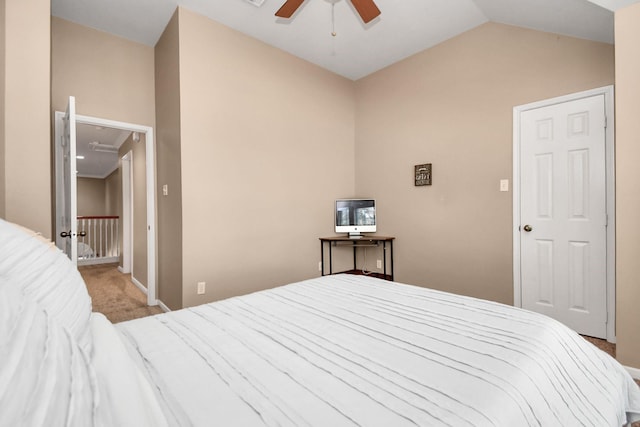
x,y
256,3
367,9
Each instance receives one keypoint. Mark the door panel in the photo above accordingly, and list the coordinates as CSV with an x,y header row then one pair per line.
x,y
69,223
544,283
563,201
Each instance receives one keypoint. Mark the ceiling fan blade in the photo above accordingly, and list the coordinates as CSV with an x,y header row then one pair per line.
x,y
367,9
289,8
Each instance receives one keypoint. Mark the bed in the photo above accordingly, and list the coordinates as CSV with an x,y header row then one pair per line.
x,y
339,350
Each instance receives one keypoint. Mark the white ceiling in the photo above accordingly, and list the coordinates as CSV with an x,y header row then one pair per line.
x,y
405,27
97,164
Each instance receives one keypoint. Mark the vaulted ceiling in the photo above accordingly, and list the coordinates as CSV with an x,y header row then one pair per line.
x,y
405,27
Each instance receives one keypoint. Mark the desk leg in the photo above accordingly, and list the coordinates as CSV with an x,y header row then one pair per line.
x,y
391,254
354,257
384,258
330,258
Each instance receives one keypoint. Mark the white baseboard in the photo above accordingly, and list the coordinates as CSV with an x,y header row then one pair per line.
x,y
140,286
97,261
163,306
121,270
634,372
144,290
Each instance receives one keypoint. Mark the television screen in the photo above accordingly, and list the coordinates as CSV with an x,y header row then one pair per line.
x,y
355,216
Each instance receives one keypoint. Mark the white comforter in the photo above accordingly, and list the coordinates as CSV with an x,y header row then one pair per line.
x,y
351,350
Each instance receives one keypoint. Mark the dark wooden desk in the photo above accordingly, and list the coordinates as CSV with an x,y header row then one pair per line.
x,y
363,242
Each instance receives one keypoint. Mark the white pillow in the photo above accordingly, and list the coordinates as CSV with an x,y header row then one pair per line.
x,y
126,397
46,379
48,276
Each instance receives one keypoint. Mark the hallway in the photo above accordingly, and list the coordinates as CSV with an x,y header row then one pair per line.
x,y
114,295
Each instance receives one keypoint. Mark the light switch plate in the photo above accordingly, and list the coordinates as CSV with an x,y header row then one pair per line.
x,y
201,288
504,185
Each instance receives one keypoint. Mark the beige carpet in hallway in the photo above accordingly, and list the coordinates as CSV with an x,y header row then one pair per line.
x,y
114,295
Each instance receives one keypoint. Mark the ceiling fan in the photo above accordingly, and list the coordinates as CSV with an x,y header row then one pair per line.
x,y
367,9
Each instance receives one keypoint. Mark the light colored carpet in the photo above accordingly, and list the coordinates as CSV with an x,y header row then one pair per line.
x,y
114,295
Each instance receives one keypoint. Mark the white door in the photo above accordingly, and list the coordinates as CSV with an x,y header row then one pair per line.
x,y
563,216
68,226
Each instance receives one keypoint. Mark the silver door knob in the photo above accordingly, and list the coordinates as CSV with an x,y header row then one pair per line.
x,y
527,228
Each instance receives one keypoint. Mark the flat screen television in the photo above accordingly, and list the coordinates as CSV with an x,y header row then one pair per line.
x,y
355,216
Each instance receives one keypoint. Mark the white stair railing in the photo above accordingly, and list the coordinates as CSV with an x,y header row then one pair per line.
x,y
98,239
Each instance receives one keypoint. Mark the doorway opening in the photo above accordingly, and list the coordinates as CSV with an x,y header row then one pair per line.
x,y
137,132
127,217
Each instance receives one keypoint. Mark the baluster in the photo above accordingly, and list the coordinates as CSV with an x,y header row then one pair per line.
x,y
95,239
87,237
107,238
118,237
82,221
111,239
87,229
101,245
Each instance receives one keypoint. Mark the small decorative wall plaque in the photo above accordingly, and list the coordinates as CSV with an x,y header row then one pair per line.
x,y
423,174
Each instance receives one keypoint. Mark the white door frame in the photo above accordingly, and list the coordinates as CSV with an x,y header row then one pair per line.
x,y
151,192
127,214
608,93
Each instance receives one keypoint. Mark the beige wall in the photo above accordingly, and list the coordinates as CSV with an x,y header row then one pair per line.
x,y
452,106
113,194
100,196
2,104
91,197
111,77
266,146
26,136
139,188
627,177
169,207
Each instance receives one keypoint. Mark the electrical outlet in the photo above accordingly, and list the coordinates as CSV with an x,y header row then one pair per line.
x,y
201,288
379,263
319,265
